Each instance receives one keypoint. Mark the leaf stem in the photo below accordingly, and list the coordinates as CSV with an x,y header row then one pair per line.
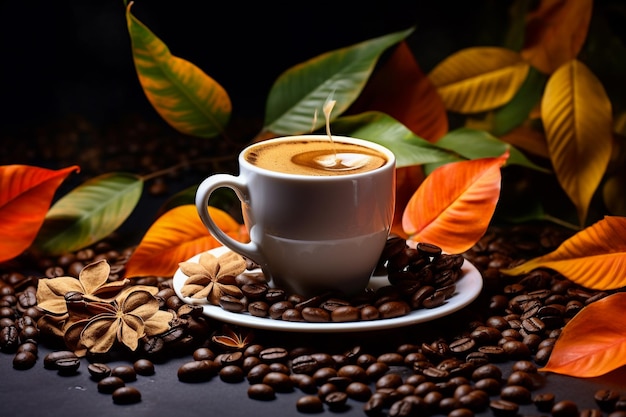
x,y
174,168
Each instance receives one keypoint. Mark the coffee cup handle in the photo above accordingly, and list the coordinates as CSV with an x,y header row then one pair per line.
x,y
205,189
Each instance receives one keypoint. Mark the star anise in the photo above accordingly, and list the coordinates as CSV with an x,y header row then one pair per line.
x,y
92,281
230,339
100,325
211,277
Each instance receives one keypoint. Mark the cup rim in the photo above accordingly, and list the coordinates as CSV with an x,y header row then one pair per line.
x,y
390,156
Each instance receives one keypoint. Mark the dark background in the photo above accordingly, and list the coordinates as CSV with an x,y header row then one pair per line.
x,y
67,57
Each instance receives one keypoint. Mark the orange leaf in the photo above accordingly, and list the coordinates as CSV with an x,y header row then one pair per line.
x,y
26,193
594,257
454,205
528,139
401,90
175,237
593,342
555,33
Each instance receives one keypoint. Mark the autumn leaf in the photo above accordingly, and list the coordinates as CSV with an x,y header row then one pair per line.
x,y
577,116
594,257
26,193
479,79
176,236
555,33
89,213
401,90
452,208
528,139
304,88
184,96
593,342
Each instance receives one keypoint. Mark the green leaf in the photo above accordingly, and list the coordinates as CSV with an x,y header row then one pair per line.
x,y
473,144
516,111
89,212
383,129
341,74
183,95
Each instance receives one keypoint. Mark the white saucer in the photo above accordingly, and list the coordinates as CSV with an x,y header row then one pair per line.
x,y
468,287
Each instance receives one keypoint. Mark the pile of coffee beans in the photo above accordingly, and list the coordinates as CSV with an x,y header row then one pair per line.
x,y
454,367
420,277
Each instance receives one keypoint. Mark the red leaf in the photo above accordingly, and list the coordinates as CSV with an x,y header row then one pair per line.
x,y
175,237
26,193
401,90
454,205
593,342
555,33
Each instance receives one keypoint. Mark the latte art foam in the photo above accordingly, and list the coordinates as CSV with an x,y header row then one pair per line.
x,y
312,157
334,162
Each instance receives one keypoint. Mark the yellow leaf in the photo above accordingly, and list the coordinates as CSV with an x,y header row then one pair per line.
x,y
175,237
478,79
577,118
594,257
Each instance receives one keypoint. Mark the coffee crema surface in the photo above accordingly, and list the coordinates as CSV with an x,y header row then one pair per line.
x,y
315,157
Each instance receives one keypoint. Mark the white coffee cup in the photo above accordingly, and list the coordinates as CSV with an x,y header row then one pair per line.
x,y
310,232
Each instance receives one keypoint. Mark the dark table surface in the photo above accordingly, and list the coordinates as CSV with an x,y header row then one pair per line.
x,y
39,391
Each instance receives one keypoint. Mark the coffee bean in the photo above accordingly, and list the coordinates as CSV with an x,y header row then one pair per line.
x,y
487,371
126,372
24,360
345,313
232,303
203,353
520,378
359,391
516,393
353,372
257,373
322,375
278,381
197,371
274,354
310,404
606,399
390,380
126,395
144,367
304,364
376,370
503,408
67,366
393,309
565,408
305,383
544,401
336,401
109,384
262,392
231,374
98,371
259,308
461,412
315,315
